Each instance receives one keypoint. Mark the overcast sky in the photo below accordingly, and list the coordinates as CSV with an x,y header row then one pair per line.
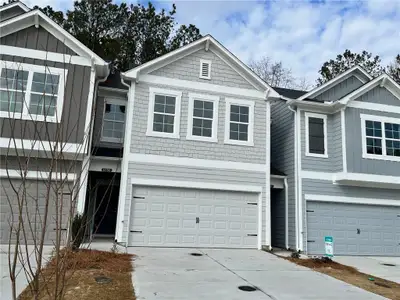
x,y
301,34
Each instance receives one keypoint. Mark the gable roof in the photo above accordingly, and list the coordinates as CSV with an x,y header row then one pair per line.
x,y
383,80
36,17
205,42
357,71
14,4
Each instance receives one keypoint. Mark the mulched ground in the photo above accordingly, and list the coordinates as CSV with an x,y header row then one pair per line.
x,y
385,288
83,267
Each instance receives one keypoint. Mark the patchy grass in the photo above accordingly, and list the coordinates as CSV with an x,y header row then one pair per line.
x,y
351,275
81,269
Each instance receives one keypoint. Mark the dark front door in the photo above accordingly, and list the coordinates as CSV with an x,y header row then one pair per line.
x,y
106,209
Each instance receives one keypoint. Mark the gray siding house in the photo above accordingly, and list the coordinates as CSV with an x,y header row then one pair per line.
x,y
48,81
339,146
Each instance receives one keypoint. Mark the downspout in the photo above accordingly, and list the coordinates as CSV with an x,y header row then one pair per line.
x,y
296,183
285,183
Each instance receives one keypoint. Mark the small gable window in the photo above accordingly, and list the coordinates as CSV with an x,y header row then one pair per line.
x,y
205,69
316,135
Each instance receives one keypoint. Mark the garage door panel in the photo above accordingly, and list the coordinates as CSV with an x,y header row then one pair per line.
x,y
356,229
168,217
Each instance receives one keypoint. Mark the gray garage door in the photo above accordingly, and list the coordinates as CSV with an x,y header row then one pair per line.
x,y
33,211
356,229
178,217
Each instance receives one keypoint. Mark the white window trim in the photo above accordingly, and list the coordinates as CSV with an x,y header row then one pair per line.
x,y
250,134
214,133
325,120
383,120
205,61
150,118
115,101
40,69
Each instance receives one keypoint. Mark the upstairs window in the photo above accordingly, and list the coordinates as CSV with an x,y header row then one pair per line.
x,y
164,113
381,137
31,92
316,135
239,122
205,69
113,121
203,118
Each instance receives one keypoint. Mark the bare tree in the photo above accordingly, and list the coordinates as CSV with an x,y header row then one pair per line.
x,y
276,75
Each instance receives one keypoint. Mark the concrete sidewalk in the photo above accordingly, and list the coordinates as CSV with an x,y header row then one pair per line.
x,y
173,273
374,265
21,281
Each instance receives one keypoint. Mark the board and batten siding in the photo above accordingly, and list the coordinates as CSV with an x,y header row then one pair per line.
x,y
191,174
283,158
196,149
379,95
327,188
188,68
338,91
334,161
355,162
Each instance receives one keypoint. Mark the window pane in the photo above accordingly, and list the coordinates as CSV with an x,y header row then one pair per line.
x,y
234,127
11,101
196,131
158,127
159,108
197,122
207,124
169,120
170,100
43,105
392,131
235,109
169,128
45,83
11,79
244,118
198,104
242,136
235,117
243,128
197,112
159,99
317,145
373,128
208,113
170,109
393,148
207,132
374,146
239,114
208,105
233,135
158,118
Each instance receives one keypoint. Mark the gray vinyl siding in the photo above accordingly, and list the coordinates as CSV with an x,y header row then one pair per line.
x,y
37,39
379,95
191,174
355,162
278,218
196,149
334,161
99,114
341,89
283,158
323,187
188,68
74,107
11,13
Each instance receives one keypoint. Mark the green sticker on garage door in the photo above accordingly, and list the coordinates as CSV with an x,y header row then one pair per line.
x,y
329,246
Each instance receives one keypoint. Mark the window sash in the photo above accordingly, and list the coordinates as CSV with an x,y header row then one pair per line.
x,y
107,138
383,139
163,124
239,133
28,92
203,118
316,132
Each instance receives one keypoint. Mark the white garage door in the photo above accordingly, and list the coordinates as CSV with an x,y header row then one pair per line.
x,y
177,217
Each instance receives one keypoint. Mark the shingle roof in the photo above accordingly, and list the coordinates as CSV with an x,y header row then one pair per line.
x,y
114,81
290,93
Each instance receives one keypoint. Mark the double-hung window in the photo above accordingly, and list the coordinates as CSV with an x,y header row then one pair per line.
x,y
202,118
164,113
381,137
31,92
239,122
316,135
113,120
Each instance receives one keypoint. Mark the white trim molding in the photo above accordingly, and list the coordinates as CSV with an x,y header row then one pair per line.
x,y
324,118
177,114
364,118
304,174
28,92
36,145
367,180
375,106
14,4
36,175
196,185
344,143
214,128
193,162
352,200
250,124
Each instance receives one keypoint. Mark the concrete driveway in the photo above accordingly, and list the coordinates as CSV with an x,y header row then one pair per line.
x,y
21,281
380,266
172,273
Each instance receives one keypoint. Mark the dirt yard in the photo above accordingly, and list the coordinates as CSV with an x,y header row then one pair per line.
x,y
83,268
350,275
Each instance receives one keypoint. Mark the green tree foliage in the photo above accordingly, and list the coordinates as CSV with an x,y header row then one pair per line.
x,y
347,60
127,35
394,69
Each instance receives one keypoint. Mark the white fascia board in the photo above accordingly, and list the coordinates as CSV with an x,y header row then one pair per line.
x,y
327,85
36,175
14,4
375,106
46,56
28,19
193,162
202,86
196,185
352,200
367,178
37,145
318,107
